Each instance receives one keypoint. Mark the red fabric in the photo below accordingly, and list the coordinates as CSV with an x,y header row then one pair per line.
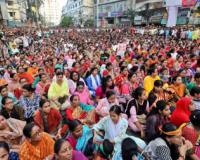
x,y
17,93
181,113
72,141
188,3
53,119
49,70
27,76
69,116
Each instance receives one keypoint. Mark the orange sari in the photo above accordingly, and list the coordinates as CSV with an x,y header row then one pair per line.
x,y
37,152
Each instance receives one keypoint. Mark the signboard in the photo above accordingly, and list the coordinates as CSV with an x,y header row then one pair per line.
x,y
188,3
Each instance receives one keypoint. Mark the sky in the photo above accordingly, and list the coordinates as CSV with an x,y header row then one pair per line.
x,y
63,2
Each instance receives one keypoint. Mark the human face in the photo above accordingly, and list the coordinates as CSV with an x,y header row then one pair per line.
x,y
158,88
114,117
78,131
80,88
23,81
109,82
9,104
36,134
143,96
125,71
179,80
166,112
2,122
75,76
155,73
3,154
43,78
111,99
65,152
21,70
4,92
59,78
133,78
177,140
95,72
188,65
46,107
75,101
26,93
15,77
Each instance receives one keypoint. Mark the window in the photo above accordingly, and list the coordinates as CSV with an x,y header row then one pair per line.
x,y
10,3
12,14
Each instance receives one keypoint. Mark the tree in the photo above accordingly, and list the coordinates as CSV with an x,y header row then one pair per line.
x,y
147,13
66,21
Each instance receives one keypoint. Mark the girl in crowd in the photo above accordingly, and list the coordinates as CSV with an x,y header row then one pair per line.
x,y
137,110
83,93
182,111
158,116
5,153
105,104
47,118
178,86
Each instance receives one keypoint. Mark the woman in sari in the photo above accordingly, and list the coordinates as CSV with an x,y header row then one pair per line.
x,y
11,130
64,151
80,136
182,111
5,153
47,118
84,113
178,86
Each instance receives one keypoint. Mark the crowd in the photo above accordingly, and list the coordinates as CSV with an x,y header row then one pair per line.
x,y
114,94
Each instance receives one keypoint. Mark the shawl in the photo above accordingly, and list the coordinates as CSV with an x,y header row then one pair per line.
x,y
37,152
181,113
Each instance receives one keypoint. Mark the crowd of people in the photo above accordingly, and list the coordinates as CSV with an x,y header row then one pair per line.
x,y
87,94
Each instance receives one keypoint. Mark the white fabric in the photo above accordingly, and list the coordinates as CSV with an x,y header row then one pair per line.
x,y
94,81
170,3
172,16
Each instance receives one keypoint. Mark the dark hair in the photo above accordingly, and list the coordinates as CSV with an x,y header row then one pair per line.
x,y
12,75
109,93
71,75
116,109
122,68
58,144
56,69
160,106
151,70
4,145
104,83
28,87
59,73
108,64
158,83
3,101
195,118
43,101
106,148
92,69
2,87
41,74
197,75
138,92
134,69
72,97
195,90
80,83
168,127
129,149
28,129
72,124
131,74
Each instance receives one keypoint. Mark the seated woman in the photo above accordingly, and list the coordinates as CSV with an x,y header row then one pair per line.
x,y
10,110
37,145
178,86
11,130
128,151
137,110
64,151
84,113
105,104
47,118
107,84
83,93
182,111
170,145
114,127
156,94
80,136
158,116
5,153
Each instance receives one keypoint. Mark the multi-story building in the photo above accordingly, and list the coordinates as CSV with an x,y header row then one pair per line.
x,y
3,12
80,10
51,10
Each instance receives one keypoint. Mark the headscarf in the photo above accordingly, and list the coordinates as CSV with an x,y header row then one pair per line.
x,y
182,112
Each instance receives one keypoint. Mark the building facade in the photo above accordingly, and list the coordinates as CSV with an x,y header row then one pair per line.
x,y
3,12
79,10
51,10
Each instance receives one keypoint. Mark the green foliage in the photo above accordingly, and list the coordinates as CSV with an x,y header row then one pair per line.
x,y
66,21
89,23
131,15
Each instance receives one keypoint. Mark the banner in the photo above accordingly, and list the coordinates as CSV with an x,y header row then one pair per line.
x,y
188,3
172,16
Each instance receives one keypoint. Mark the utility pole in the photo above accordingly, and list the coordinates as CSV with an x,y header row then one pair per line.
x,y
97,7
